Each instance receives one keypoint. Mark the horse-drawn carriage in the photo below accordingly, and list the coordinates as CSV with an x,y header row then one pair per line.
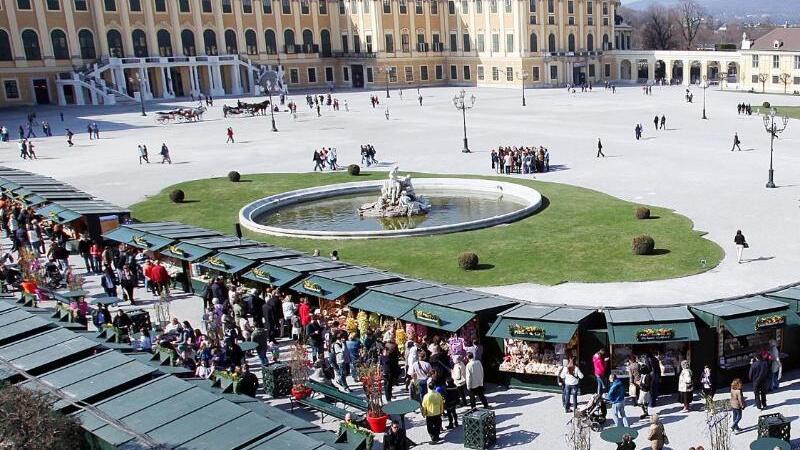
x,y
250,109
181,115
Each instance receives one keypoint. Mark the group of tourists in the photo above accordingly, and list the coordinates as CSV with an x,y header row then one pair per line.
x,y
521,160
368,153
144,154
326,157
744,108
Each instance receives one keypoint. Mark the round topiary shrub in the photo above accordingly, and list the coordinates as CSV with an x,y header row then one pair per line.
x,y
642,213
468,261
643,245
177,196
354,170
234,176
766,105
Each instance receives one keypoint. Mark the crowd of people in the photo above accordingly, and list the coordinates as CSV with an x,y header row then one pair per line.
x,y
326,157
521,160
744,108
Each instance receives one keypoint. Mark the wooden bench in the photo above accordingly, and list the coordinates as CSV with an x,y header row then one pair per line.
x,y
328,408
336,395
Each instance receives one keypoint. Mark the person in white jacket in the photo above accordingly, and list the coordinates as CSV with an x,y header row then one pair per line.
x,y
475,381
459,375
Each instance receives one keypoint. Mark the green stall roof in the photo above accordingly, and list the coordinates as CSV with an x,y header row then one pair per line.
x,y
401,286
186,252
47,209
490,303
791,296
138,239
237,432
321,287
173,230
272,275
225,263
306,264
45,348
21,326
358,276
220,242
33,200
383,304
424,293
286,440
750,324
93,207
441,317
741,316
559,323
625,324
455,297
64,216
261,252
55,196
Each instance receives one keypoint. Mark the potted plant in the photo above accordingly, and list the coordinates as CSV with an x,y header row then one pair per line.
x,y
300,367
372,383
28,267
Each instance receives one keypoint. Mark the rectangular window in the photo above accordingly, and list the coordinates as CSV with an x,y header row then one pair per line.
x,y
605,21
323,7
342,9
481,73
23,4
495,42
754,79
495,73
312,74
329,74
467,43
509,74
11,89
346,73
387,6
206,6
481,43
797,63
776,62
389,43
464,6
403,4
53,5
345,45
551,7
467,73
591,70
775,79
796,80
755,61
247,6
305,7
532,5
535,74
551,20
294,76
453,72
370,75
607,71
80,5
368,40
507,6
110,5
493,6
405,41
453,42
161,5
227,7
423,73
553,72
451,7
366,6
570,6
590,7
605,8
409,73
479,6
439,72
418,8
133,5
183,6
286,7
434,8
590,20
509,42
356,44
571,20
421,47
266,6
393,74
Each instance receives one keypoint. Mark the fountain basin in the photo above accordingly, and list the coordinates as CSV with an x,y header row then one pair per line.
x,y
459,205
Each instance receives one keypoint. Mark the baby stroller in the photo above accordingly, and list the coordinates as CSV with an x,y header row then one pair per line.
x,y
594,412
53,275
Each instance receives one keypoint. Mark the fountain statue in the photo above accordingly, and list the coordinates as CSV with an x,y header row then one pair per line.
x,y
397,199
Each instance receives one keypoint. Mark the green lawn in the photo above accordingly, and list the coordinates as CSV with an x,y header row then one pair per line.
x,y
791,111
581,235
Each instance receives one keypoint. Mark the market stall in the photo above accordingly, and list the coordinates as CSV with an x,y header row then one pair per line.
x,y
667,333
201,274
537,340
91,216
791,339
741,328
148,243
222,264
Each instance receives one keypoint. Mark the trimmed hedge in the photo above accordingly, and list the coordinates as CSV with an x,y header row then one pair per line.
x,y
468,261
234,176
354,170
177,196
642,213
643,245
766,105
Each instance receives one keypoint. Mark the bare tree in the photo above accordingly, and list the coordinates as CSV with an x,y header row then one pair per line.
x,y
786,79
690,17
762,78
658,32
27,422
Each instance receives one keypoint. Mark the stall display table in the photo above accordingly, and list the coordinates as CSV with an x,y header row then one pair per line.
x,y
769,443
614,434
480,430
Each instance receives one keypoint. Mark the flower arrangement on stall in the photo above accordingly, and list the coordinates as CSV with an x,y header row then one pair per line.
x,y
374,321
654,334
362,321
372,382
29,267
770,321
301,368
351,325
400,337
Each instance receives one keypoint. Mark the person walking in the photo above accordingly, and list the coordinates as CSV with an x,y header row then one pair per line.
x,y
616,396
230,136
143,154
432,408
685,386
23,149
776,367
707,383
656,434
760,377
165,154
663,122
600,149
634,374
69,134
475,381
129,281
571,377
333,156
317,158
655,122
342,355
741,244
645,384
31,151
738,404
109,282
600,365
736,142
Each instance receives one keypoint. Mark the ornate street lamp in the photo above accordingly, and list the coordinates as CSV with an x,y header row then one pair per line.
x,y
388,71
704,86
137,82
268,86
774,130
463,103
523,75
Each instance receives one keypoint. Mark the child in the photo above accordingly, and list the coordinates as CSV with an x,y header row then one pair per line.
x,y
450,403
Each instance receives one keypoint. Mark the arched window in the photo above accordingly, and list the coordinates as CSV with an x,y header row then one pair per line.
x,y
571,42
551,43
30,42
590,42
5,47
230,42
250,42
534,43
605,42
288,40
272,45
325,40
59,40
164,43
308,37
210,42
139,44
86,41
115,44
187,42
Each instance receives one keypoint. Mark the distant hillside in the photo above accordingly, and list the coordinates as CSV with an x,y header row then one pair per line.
x,y
776,11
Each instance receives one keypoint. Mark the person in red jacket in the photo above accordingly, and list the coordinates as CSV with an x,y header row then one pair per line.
x,y
96,252
304,311
160,277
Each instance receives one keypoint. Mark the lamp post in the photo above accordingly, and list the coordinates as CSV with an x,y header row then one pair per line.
x,y
268,85
774,130
137,81
523,75
705,86
461,102
388,71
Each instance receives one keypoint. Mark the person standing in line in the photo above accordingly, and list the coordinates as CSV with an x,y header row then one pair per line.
x,y
109,282
571,376
600,365
738,404
685,386
342,356
432,408
386,113
165,154
459,376
775,365
507,161
760,377
475,381
84,244
736,142
129,281
741,244
616,396
230,136
634,372
600,149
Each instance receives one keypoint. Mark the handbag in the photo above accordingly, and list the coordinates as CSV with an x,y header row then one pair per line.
x,y
746,245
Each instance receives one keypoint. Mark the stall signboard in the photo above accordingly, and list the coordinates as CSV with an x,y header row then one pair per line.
x,y
215,261
426,316
769,322
530,331
177,251
312,287
262,274
655,334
